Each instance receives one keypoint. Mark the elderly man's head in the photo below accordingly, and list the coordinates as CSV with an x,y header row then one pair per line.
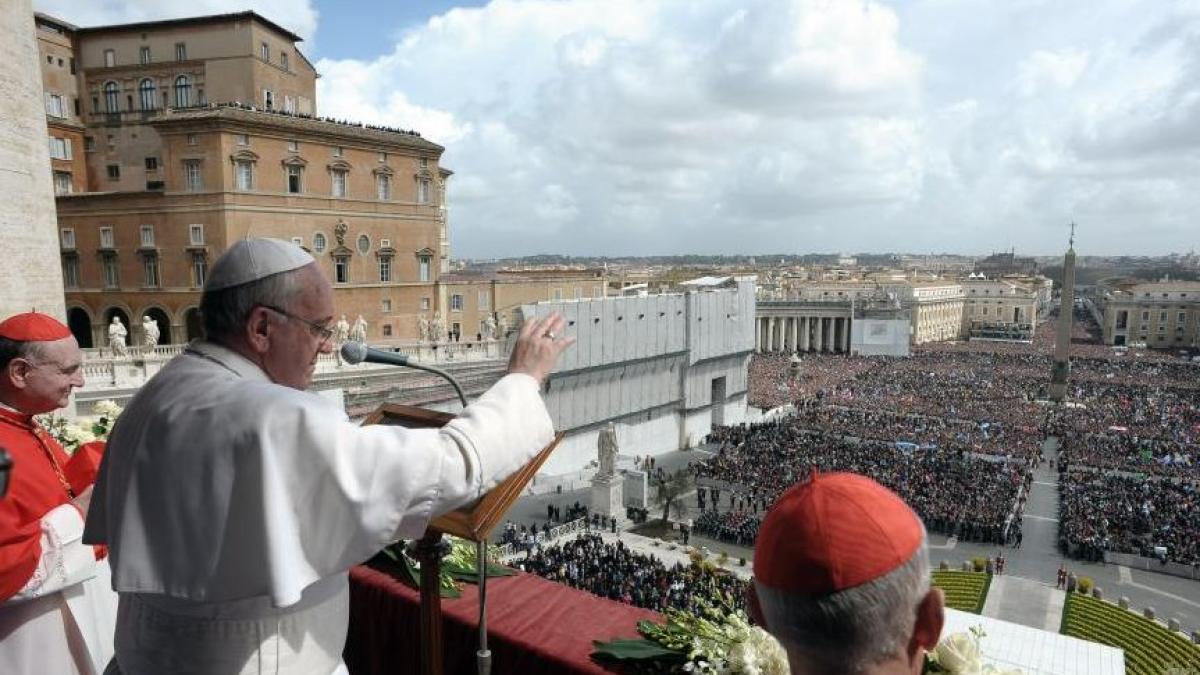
x,y
842,579
40,363
268,300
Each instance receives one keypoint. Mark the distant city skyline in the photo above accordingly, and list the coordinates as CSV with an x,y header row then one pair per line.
x,y
630,127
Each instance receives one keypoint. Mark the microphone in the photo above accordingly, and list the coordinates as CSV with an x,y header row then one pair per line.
x,y
355,353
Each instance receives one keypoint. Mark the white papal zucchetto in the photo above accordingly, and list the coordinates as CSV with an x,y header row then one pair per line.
x,y
254,259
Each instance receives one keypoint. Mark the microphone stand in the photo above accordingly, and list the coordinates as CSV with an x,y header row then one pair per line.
x,y
483,656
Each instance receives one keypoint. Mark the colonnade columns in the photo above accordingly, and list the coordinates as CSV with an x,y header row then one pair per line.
x,y
846,338
804,328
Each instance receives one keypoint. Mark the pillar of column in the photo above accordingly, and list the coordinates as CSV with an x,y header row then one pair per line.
x,y
757,346
771,335
827,334
849,328
819,346
790,343
805,326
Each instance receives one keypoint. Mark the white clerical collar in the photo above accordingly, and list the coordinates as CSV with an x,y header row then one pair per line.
x,y
235,362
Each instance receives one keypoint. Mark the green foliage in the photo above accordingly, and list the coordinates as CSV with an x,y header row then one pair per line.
x,y
964,591
1084,586
980,564
1150,649
671,491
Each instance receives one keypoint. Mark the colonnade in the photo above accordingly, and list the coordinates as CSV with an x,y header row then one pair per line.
x,y
802,334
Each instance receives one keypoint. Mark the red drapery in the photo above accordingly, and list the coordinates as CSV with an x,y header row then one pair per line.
x,y
534,626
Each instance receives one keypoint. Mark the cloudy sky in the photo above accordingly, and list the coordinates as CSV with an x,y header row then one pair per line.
x,y
615,127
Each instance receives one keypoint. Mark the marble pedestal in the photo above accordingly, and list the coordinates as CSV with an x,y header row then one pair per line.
x,y
608,496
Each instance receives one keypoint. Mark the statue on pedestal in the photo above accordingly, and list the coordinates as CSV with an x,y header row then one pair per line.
x,y
341,333
606,451
150,332
489,328
423,327
502,327
116,337
359,332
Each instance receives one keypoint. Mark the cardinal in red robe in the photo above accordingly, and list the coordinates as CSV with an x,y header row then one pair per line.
x,y
57,607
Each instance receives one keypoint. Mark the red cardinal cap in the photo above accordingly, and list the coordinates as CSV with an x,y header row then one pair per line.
x,y
33,327
834,532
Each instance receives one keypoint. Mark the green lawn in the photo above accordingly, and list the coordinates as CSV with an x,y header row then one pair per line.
x,y
964,591
1150,649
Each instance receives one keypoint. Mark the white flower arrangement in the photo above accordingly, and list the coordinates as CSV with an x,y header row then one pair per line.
x,y
960,654
71,434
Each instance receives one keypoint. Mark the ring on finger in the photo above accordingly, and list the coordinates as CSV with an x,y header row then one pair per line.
x,y
550,334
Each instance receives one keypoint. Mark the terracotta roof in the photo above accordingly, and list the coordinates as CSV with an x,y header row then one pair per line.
x,y
189,21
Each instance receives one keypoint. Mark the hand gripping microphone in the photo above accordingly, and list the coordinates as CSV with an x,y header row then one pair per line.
x,y
355,353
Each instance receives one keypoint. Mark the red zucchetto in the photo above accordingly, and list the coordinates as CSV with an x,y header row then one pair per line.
x,y
33,327
834,532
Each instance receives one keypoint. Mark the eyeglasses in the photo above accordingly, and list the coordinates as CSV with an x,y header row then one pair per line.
x,y
323,332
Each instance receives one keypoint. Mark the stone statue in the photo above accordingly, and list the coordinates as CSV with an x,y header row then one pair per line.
x,y
339,232
489,328
423,327
502,327
341,333
150,333
116,337
606,451
359,332
438,328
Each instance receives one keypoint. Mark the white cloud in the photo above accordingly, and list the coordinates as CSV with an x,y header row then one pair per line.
x,y
1058,70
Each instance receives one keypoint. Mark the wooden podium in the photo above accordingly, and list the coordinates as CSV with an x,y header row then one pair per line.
x,y
473,522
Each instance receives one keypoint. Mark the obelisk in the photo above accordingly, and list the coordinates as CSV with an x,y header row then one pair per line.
x,y
1066,314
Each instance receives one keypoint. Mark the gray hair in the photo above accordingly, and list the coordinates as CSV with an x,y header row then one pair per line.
x,y
19,349
225,310
851,630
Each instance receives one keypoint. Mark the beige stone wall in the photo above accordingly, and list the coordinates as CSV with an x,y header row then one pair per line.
x,y
31,276
1161,315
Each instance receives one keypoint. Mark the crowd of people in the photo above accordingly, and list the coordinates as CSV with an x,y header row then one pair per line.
x,y
615,572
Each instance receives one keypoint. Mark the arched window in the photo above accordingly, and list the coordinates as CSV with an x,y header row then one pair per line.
x,y
112,98
146,93
319,242
364,244
183,92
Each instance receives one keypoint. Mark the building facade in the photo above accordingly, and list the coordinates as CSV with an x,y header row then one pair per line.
x,y
194,133
1162,315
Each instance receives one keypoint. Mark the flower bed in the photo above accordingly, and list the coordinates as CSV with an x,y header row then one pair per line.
x,y
1150,649
964,591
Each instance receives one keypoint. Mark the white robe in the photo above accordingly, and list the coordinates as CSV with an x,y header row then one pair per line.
x,y
234,507
62,620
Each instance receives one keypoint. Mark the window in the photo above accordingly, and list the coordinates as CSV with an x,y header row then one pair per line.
x,y
152,164
385,269
242,139
425,304
598,292
383,186
338,151
147,236
89,143
60,148
264,50
112,279
283,60
289,104
245,174
341,270
423,264
183,91
144,55
193,179
68,238
150,271
70,271
146,94
456,303
1145,316
114,172
192,140
386,305
294,176
364,243
55,106
339,183
423,191
319,242
383,157
196,235
484,300
106,237
110,58
293,146
299,241
423,163
268,99
385,243
180,51
112,99
199,269
1162,316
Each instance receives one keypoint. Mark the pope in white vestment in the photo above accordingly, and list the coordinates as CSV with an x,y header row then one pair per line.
x,y
234,507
